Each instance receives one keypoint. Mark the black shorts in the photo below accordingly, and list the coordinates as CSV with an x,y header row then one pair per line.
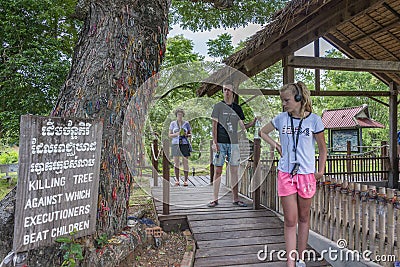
x,y
180,150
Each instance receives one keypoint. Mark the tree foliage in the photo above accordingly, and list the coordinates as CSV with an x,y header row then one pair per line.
x,y
202,15
179,50
37,40
220,47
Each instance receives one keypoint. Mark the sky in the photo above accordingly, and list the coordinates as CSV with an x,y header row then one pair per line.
x,y
200,38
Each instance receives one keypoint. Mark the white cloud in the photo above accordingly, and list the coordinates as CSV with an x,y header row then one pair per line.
x,y
200,38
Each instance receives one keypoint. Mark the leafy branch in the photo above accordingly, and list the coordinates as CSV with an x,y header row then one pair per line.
x,y
72,249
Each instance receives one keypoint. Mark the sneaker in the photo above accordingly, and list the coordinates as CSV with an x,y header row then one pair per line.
x,y
300,263
239,203
212,204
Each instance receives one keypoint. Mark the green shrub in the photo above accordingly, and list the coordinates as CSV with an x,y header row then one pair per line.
x,y
8,156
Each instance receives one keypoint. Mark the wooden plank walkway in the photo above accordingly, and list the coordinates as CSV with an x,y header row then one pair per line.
x,y
198,180
226,235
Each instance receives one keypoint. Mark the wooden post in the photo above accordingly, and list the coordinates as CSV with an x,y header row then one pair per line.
x,y
338,210
332,209
365,217
349,162
257,173
211,163
270,186
344,209
288,72
317,71
358,214
315,209
154,159
390,223
384,153
325,205
320,205
348,151
382,220
372,220
351,207
166,184
393,158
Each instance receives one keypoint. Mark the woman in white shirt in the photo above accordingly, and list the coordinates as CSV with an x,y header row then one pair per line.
x,y
180,132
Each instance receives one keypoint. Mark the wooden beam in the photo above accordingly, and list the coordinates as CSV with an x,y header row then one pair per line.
x,y
307,27
257,174
380,25
301,18
393,154
317,76
379,101
344,64
386,78
288,72
374,41
329,16
388,7
248,100
369,35
315,93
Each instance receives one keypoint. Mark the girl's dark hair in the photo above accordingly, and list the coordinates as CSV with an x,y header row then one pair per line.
x,y
179,110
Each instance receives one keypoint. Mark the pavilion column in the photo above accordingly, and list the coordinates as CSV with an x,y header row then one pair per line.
x,y
288,72
393,156
317,71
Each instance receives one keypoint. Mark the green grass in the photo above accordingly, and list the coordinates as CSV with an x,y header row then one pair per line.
x,y
8,155
4,186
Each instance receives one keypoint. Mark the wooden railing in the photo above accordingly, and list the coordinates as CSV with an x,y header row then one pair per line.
x,y
268,173
365,216
357,168
268,187
370,168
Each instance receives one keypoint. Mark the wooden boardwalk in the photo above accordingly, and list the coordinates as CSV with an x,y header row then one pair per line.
x,y
226,235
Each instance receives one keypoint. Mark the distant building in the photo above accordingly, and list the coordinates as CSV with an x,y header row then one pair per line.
x,y
345,124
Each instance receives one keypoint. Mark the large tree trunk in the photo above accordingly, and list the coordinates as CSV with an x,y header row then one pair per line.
x,y
121,45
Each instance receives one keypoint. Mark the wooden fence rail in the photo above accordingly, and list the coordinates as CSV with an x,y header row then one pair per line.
x,y
357,168
364,216
346,168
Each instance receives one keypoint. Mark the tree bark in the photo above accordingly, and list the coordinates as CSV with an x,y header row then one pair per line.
x,y
7,205
121,45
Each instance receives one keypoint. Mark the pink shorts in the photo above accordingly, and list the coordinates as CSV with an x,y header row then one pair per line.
x,y
302,184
